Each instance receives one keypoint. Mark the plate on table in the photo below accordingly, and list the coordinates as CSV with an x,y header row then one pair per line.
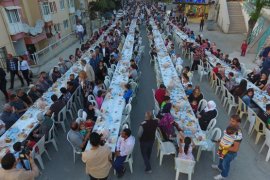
x,y
25,117
22,136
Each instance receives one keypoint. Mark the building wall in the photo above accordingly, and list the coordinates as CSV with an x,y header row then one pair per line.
x,y
5,40
31,11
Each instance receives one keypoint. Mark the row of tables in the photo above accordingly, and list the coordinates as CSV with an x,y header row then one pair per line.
x,y
109,122
181,110
28,121
261,98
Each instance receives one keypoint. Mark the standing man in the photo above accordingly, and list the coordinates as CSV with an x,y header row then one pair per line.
x,y
12,67
224,164
80,32
201,24
124,147
3,83
105,53
146,135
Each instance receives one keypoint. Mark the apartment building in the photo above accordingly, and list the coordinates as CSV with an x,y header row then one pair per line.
x,y
31,25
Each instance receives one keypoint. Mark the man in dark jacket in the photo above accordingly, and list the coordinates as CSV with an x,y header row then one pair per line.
x,y
12,67
3,83
146,135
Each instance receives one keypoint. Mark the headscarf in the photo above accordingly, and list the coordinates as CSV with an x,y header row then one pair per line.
x,y
167,108
211,105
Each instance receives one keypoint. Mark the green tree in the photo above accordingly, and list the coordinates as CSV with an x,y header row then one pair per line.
x,y
255,15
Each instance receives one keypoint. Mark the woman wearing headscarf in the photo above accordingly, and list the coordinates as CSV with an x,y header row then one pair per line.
x,y
206,115
56,74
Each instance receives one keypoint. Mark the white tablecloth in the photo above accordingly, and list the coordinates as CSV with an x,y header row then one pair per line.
x,y
114,103
181,110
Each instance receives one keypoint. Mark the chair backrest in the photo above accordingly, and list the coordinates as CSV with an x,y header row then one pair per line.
x,y
130,100
125,126
216,134
80,113
41,146
258,124
62,114
107,83
231,99
211,125
94,103
128,109
159,136
202,104
51,133
74,149
184,166
110,73
242,105
133,86
267,136
113,67
69,103
91,98
107,77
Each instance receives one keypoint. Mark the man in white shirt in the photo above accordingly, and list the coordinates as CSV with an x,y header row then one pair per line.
x,y
124,147
80,32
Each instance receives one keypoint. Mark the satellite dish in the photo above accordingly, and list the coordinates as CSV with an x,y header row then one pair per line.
x,y
26,28
33,31
78,13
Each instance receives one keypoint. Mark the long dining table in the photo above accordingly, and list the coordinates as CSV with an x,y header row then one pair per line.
x,y
21,129
109,121
181,109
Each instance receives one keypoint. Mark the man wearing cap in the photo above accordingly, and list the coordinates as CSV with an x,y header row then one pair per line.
x,y
33,93
12,68
45,124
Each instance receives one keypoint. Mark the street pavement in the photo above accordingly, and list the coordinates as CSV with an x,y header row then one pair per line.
x,y
248,165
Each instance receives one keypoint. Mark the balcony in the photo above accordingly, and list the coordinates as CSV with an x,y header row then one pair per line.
x,y
35,39
15,28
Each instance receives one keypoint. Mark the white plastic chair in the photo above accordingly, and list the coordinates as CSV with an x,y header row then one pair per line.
x,y
73,148
184,166
260,132
51,138
91,98
134,87
251,119
107,83
211,146
164,148
211,126
231,102
113,67
94,103
41,149
110,74
125,126
70,107
266,143
127,109
126,119
202,105
61,118
129,160
201,72
242,108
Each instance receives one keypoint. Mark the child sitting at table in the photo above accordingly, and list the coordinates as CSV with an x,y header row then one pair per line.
x,y
83,130
189,90
185,148
194,106
99,99
227,141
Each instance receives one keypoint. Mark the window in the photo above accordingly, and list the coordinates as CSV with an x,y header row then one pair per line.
x,y
13,16
45,8
53,8
65,22
57,27
62,4
70,3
